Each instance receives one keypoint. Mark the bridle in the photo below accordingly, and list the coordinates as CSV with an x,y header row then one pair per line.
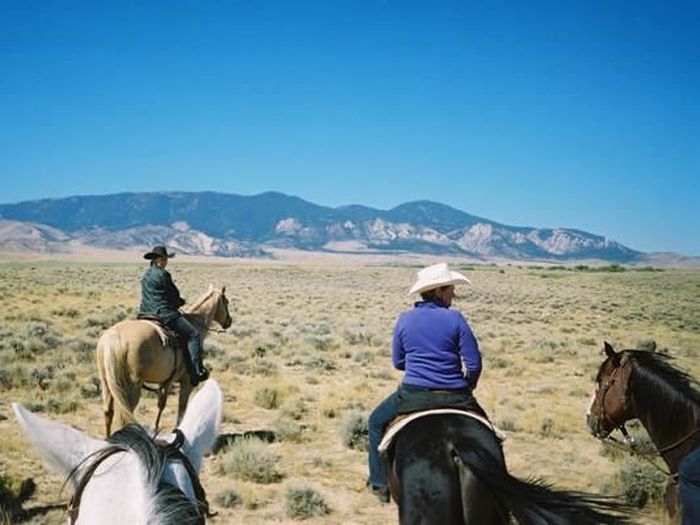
x,y
171,451
202,326
617,373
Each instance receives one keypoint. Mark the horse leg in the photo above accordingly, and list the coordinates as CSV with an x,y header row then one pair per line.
x,y
107,398
185,391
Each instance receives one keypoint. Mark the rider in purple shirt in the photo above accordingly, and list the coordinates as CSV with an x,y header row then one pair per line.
x,y
432,343
438,352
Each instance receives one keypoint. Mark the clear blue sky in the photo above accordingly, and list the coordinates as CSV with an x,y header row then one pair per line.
x,y
581,114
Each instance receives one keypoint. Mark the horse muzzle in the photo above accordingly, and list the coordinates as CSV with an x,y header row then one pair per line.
x,y
595,425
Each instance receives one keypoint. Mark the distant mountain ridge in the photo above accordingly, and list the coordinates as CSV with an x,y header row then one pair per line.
x,y
209,223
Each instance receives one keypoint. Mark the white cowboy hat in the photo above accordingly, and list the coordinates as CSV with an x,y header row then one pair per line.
x,y
436,276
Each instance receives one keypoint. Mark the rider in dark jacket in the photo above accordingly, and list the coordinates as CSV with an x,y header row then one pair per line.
x,y
161,298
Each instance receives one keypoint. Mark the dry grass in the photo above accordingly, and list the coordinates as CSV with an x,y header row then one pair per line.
x,y
309,351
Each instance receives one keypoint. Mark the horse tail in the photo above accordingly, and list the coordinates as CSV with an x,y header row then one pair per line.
x,y
115,375
534,502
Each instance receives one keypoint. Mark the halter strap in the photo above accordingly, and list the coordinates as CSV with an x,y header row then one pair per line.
x,y
171,451
73,506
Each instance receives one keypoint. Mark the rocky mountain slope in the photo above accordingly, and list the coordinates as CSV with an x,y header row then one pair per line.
x,y
210,223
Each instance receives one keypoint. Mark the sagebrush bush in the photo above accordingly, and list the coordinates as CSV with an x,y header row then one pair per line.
x,y
17,376
250,459
302,503
228,499
356,432
641,483
294,409
322,343
268,397
289,430
321,363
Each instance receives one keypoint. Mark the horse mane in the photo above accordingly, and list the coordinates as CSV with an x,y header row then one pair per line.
x,y
171,506
201,300
669,384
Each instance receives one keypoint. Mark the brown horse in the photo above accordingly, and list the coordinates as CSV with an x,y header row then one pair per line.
x,y
131,353
637,384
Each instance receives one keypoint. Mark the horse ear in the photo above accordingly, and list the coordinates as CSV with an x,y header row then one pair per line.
x,y
223,290
61,447
201,422
609,350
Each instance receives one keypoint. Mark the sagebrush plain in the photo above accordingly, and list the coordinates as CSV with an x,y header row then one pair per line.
x,y
308,356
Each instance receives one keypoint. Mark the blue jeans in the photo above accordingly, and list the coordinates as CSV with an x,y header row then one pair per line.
x,y
380,417
689,486
194,342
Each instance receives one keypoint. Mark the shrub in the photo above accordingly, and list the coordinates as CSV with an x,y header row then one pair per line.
x,y
547,428
83,349
358,337
250,460
641,483
294,408
647,344
104,320
15,377
13,493
356,432
322,343
36,329
508,425
302,503
228,499
66,312
267,397
320,363
364,358
289,430
62,405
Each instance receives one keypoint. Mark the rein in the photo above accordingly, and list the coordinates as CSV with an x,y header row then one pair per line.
x,y
627,445
171,451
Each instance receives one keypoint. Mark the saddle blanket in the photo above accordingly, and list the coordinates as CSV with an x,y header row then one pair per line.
x,y
165,338
399,424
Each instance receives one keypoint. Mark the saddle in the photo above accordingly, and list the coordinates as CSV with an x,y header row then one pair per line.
x,y
168,337
414,404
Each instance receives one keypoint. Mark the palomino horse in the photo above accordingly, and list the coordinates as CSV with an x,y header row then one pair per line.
x,y
448,469
130,353
131,478
637,384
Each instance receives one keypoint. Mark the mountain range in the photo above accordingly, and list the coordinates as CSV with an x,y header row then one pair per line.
x,y
209,223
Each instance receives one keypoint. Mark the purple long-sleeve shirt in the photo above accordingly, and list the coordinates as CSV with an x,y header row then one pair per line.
x,y
430,343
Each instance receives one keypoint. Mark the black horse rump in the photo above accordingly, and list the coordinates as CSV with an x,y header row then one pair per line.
x,y
450,469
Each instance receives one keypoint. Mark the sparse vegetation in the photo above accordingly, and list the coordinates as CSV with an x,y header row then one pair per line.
x,y
306,361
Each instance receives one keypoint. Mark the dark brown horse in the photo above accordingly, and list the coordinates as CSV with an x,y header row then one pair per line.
x,y
449,470
637,384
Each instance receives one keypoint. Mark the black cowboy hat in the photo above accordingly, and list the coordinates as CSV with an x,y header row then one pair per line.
x,y
158,251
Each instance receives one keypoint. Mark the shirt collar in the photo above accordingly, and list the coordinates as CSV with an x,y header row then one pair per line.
x,y
430,304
